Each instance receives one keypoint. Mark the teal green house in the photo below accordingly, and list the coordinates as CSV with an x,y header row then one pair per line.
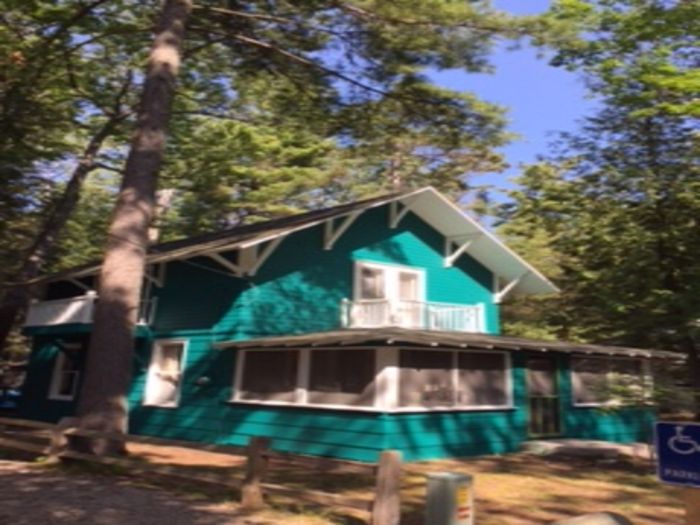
x,y
340,332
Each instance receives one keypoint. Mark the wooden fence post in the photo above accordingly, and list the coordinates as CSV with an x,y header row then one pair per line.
x,y
387,499
59,441
251,490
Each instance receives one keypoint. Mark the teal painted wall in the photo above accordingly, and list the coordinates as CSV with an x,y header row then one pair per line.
x,y
35,403
300,288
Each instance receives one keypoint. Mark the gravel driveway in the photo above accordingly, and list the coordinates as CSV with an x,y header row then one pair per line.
x,y
32,495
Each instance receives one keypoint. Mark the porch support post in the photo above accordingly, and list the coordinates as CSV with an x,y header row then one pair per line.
x,y
154,277
452,255
330,235
230,266
261,257
498,296
80,285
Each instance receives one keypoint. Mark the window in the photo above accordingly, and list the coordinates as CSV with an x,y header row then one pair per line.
x,y
307,377
270,375
164,380
438,378
425,378
483,379
66,373
350,378
601,380
388,295
342,377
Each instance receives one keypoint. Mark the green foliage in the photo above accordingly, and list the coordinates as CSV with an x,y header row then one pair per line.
x,y
615,210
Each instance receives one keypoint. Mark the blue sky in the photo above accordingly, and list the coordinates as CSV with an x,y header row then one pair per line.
x,y
541,99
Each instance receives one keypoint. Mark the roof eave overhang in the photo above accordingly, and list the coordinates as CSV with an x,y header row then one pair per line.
x,y
518,276
432,339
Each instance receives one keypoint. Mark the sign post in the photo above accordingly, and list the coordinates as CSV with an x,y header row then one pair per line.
x,y
678,462
450,499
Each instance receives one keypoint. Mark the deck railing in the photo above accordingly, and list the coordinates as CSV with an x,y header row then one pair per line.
x,y
77,310
375,313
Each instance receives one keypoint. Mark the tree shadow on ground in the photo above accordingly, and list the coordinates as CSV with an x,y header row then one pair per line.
x,y
521,489
31,494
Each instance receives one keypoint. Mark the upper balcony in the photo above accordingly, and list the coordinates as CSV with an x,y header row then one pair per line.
x,y
376,313
76,310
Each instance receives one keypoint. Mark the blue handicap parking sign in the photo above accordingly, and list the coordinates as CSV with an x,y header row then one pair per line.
x,y
678,453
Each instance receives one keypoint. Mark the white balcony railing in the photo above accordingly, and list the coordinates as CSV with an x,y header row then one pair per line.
x,y
76,310
375,313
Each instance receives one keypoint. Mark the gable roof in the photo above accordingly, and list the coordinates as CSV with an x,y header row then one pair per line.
x,y
409,337
427,203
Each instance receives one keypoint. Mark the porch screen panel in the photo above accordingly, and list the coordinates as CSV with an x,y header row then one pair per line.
x,y
589,379
626,380
425,378
342,377
269,375
483,379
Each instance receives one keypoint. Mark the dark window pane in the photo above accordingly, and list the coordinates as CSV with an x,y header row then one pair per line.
x,y
483,379
342,377
270,375
590,379
541,377
425,378
626,381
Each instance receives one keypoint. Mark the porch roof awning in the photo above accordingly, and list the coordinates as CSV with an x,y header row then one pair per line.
x,y
430,338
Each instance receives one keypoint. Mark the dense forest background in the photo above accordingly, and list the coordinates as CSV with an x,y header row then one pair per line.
x,y
287,106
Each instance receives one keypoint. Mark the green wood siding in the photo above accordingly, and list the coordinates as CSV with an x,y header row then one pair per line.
x,y
35,402
300,287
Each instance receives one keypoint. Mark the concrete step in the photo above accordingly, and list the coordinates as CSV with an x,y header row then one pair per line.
x,y
585,448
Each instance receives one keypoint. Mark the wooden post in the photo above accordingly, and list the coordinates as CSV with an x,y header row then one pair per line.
x,y
387,499
692,506
251,490
59,440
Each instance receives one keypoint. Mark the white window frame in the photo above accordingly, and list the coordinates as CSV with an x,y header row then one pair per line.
x,y
508,369
391,279
386,382
58,371
646,380
156,348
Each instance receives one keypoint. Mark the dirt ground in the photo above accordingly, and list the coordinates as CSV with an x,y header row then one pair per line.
x,y
516,489
32,494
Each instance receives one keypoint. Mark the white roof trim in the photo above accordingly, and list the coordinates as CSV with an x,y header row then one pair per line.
x,y
430,206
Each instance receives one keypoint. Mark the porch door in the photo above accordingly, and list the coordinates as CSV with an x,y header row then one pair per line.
x,y
543,396
409,309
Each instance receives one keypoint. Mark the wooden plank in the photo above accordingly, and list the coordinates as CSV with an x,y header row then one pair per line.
x,y
692,505
25,423
387,500
324,464
23,445
256,469
320,498
160,470
149,440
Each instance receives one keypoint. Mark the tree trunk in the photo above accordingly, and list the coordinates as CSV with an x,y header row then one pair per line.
x,y
16,300
693,368
102,405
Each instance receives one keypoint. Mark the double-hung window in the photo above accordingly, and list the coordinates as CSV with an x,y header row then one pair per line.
x,y
66,373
